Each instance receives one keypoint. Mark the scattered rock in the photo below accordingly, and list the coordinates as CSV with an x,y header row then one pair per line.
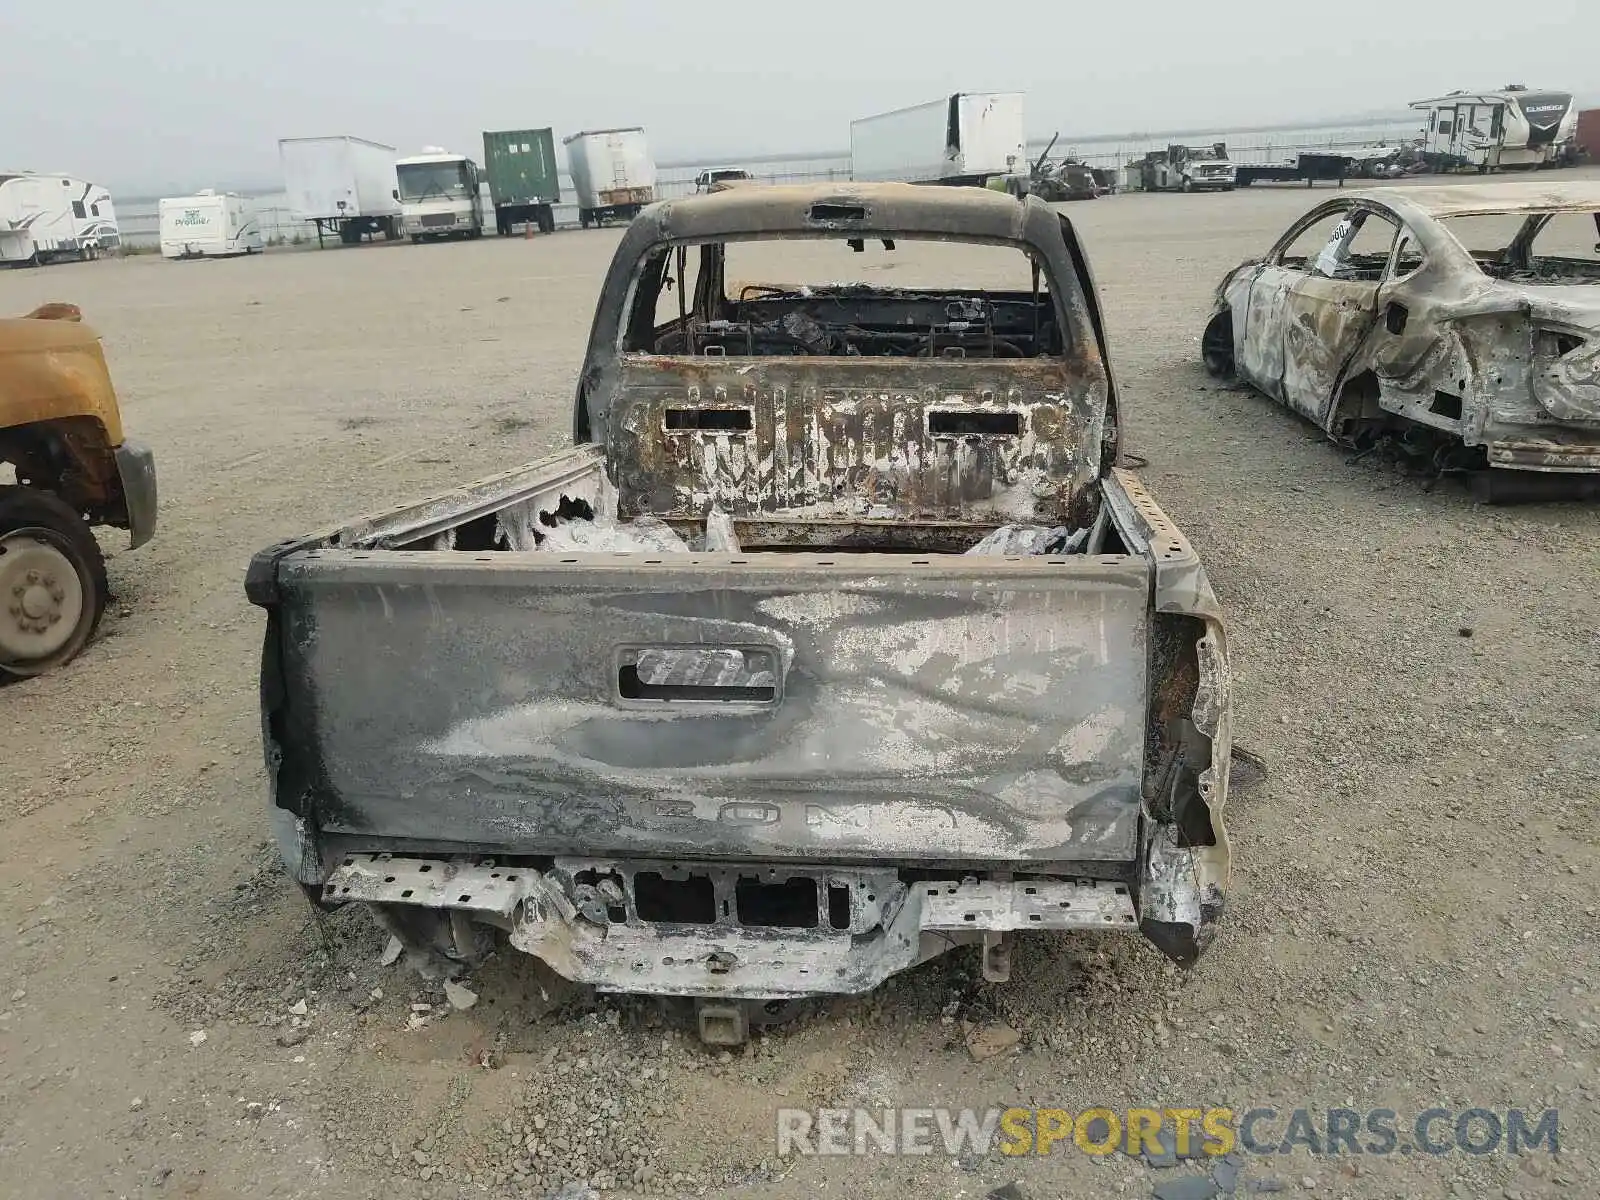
x,y
391,953
991,1040
1225,1173
460,996
292,1037
1008,1191
1167,1155
299,1008
137,1105
197,1038
1186,1187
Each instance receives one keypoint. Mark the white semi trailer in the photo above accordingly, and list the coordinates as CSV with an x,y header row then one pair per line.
x,y
46,218
344,185
612,173
966,138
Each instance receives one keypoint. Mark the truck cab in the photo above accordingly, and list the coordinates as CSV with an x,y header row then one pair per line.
x,y
438,194
61,438
716,179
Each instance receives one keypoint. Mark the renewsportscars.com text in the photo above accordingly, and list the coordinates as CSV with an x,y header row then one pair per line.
x,y
1191,1132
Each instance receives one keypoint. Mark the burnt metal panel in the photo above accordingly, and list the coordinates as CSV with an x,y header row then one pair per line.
x,y
928,710
853,436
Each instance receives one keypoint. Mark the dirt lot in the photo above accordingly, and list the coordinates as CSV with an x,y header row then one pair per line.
x,y
1414,897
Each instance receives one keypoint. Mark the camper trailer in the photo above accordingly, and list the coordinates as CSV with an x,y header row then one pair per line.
x,y
1509,129
44,218
209,224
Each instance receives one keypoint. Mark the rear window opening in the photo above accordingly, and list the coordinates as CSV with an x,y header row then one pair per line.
x,y
1546,248
885,297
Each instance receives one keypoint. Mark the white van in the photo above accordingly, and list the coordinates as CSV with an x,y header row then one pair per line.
x,y
208,225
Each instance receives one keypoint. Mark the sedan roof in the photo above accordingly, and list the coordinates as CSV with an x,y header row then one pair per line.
x,y
1487,199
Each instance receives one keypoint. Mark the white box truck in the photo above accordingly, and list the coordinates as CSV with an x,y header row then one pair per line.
x,y
46,218
612,173
345,185
209,224
963,139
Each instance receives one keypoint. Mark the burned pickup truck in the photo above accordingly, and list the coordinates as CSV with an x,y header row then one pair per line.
x,y
837,641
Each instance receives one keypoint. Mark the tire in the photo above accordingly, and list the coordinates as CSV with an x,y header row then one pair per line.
x,y
50,567
416,239
1216,346
547,221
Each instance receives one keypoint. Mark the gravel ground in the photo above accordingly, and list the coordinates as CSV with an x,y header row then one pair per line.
x,y
1414,896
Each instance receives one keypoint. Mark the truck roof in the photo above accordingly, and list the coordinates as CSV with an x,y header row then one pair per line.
x,y
902,208
416,159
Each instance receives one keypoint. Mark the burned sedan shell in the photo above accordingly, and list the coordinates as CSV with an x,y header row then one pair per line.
x,y
838,749
1473,358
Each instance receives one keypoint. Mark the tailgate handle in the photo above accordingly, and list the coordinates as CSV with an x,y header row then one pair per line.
x,y
698,674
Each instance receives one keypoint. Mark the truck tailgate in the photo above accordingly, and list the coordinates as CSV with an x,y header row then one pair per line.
x,y
865,708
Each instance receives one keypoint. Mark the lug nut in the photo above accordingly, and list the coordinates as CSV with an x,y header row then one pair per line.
x,y
54,617
56,593
32,577
18,590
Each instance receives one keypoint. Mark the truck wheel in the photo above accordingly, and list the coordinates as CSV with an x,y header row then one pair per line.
x,y
52,582
547,221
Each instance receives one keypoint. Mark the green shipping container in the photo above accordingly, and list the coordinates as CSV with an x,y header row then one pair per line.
x,y
521,165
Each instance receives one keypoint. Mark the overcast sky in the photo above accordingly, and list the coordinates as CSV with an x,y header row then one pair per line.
x,y
174,94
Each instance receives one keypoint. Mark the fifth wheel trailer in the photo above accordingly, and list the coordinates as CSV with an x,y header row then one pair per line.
x,y
612,173
1493,131
524,184
209,224
344,185
963,139
45,218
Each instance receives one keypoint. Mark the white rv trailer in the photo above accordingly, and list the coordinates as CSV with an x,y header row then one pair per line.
x,y
1513,127
966,138
209,224
44,218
